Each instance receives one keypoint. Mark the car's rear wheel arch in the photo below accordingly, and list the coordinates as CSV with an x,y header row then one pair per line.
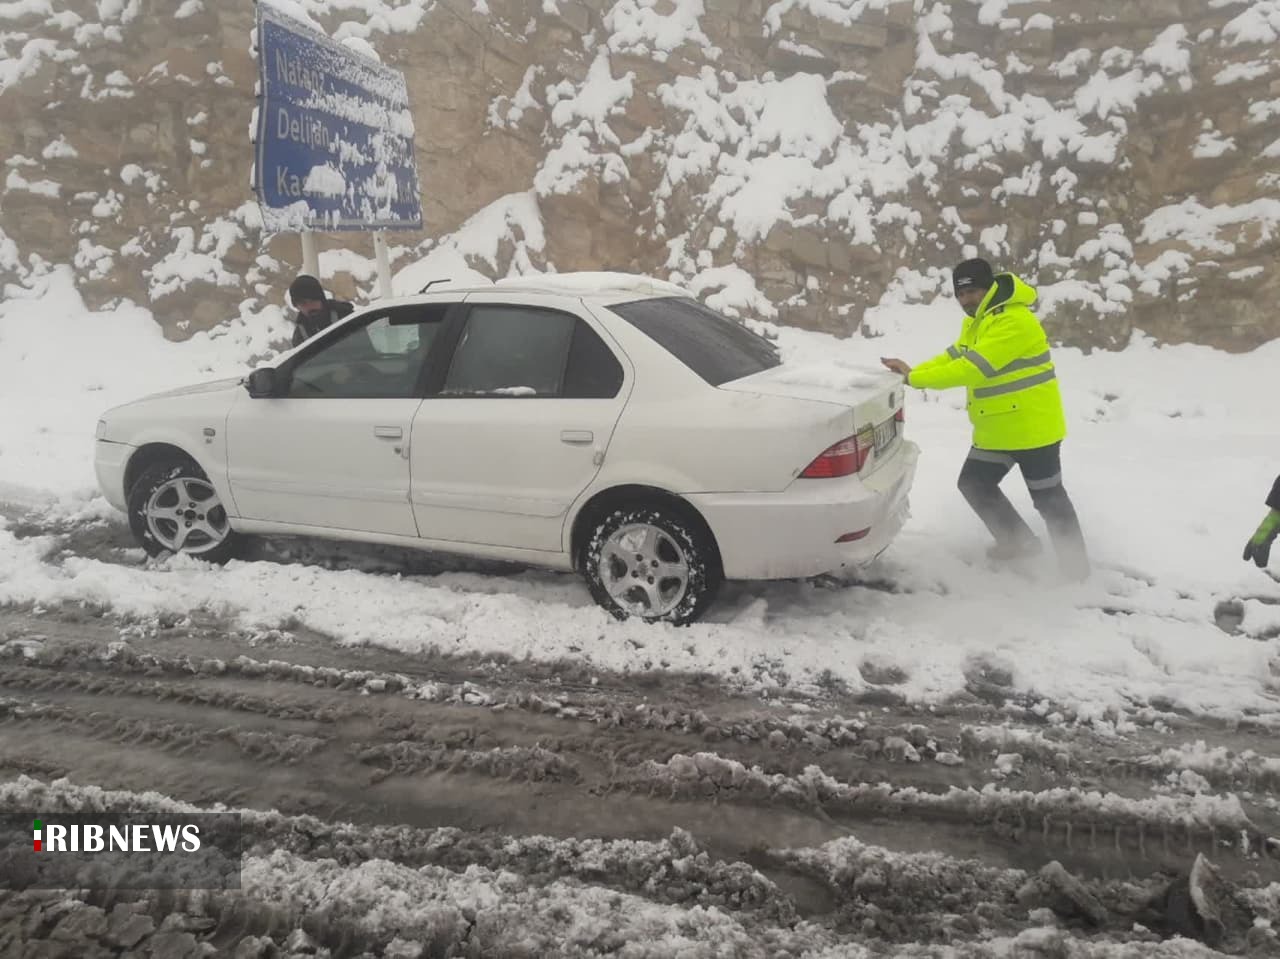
x,y
632,495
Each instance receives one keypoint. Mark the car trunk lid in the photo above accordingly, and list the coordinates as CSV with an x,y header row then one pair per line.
x,y
873,396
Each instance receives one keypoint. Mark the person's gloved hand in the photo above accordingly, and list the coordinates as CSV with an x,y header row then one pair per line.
x,y
1258,548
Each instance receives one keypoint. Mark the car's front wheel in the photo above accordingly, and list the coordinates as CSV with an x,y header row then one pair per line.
x,y
652,563
173,508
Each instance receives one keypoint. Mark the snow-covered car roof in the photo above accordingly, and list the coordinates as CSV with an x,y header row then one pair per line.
x,y
601,285
592,284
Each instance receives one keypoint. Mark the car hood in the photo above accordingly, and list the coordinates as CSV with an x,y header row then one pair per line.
x,y
213,386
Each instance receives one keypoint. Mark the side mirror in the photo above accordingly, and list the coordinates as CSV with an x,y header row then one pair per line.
x,y
264,383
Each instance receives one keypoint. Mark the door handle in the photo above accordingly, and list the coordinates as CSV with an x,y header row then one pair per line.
x,y
388,432
577,436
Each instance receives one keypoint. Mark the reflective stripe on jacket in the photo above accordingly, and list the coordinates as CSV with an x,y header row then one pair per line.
x,y
1002,358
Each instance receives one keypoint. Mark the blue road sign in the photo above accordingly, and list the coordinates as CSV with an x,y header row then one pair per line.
x,y
334,135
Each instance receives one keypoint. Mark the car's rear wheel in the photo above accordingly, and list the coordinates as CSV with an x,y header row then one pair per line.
x,y
173,508
653,563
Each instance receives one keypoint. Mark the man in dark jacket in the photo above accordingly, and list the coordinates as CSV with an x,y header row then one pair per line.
x,y
315,310
1258,548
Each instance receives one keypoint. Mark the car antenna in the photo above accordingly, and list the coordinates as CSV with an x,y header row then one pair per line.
x,y
433,283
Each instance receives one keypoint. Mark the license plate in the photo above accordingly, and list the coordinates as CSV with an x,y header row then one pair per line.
x,y
885,435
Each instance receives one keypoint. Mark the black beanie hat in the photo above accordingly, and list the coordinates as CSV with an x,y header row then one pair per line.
x,y
972,274
305,288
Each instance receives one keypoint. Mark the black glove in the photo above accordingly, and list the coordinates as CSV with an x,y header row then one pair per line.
x,y
1260,553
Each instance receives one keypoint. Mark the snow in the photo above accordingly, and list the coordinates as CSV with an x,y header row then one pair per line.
x,y
834,375
636,27
583,112
1104,93
514,218
1132,422
587,282
46,457
59,149
195,258
325,180
362,47
843,12
34,52
789,132
1241,72
760,154
1248,273
1169,52
1263,110
735,292
1211,144
1259,24
509,111
16,181
752,150
801,49
1200,227
600,96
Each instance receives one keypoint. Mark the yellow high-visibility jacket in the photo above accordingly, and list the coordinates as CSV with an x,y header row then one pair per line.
x,y
1002,359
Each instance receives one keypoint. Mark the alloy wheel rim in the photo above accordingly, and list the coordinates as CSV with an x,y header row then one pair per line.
x,y
186,515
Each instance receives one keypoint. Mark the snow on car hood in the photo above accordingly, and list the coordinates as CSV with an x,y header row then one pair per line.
x,y
831,382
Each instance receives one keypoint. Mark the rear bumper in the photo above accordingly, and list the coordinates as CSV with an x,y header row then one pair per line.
x,y
109,462
792,534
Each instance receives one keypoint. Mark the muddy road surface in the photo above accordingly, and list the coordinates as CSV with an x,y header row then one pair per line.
x,y
423,805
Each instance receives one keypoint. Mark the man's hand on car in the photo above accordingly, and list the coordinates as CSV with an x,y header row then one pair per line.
x,y
898,366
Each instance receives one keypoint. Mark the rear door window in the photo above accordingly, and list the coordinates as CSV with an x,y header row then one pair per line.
x,y
511,351
594,373
715,347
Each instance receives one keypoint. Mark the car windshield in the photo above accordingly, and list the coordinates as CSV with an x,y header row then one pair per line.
x,y
715,347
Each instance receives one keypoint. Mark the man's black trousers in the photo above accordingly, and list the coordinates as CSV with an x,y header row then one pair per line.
x,y
1042,469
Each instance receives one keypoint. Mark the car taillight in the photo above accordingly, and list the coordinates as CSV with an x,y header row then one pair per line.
x,y
841,459
901,415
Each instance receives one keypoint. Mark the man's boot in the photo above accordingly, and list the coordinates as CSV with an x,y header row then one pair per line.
x,y
1010,551
1064,529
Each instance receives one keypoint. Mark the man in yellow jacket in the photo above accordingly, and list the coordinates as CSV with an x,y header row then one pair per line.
x,y
1002,359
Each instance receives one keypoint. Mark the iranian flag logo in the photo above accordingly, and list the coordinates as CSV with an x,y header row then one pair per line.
x,y
37,831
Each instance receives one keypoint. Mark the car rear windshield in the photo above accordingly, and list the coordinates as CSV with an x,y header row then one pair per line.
x,y
715,347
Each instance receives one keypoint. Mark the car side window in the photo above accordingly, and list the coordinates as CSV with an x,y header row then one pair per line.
x,y
594,373
513,351
382,358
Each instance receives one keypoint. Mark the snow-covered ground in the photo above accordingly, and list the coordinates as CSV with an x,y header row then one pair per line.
x,y
1170,454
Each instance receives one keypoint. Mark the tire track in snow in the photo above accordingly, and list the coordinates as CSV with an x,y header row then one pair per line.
x,y
375,729
311,884
807,824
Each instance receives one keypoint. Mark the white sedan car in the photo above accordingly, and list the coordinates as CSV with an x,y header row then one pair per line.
x,y
599,422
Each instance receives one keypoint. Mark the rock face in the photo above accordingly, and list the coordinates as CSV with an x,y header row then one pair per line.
x,y
798,160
